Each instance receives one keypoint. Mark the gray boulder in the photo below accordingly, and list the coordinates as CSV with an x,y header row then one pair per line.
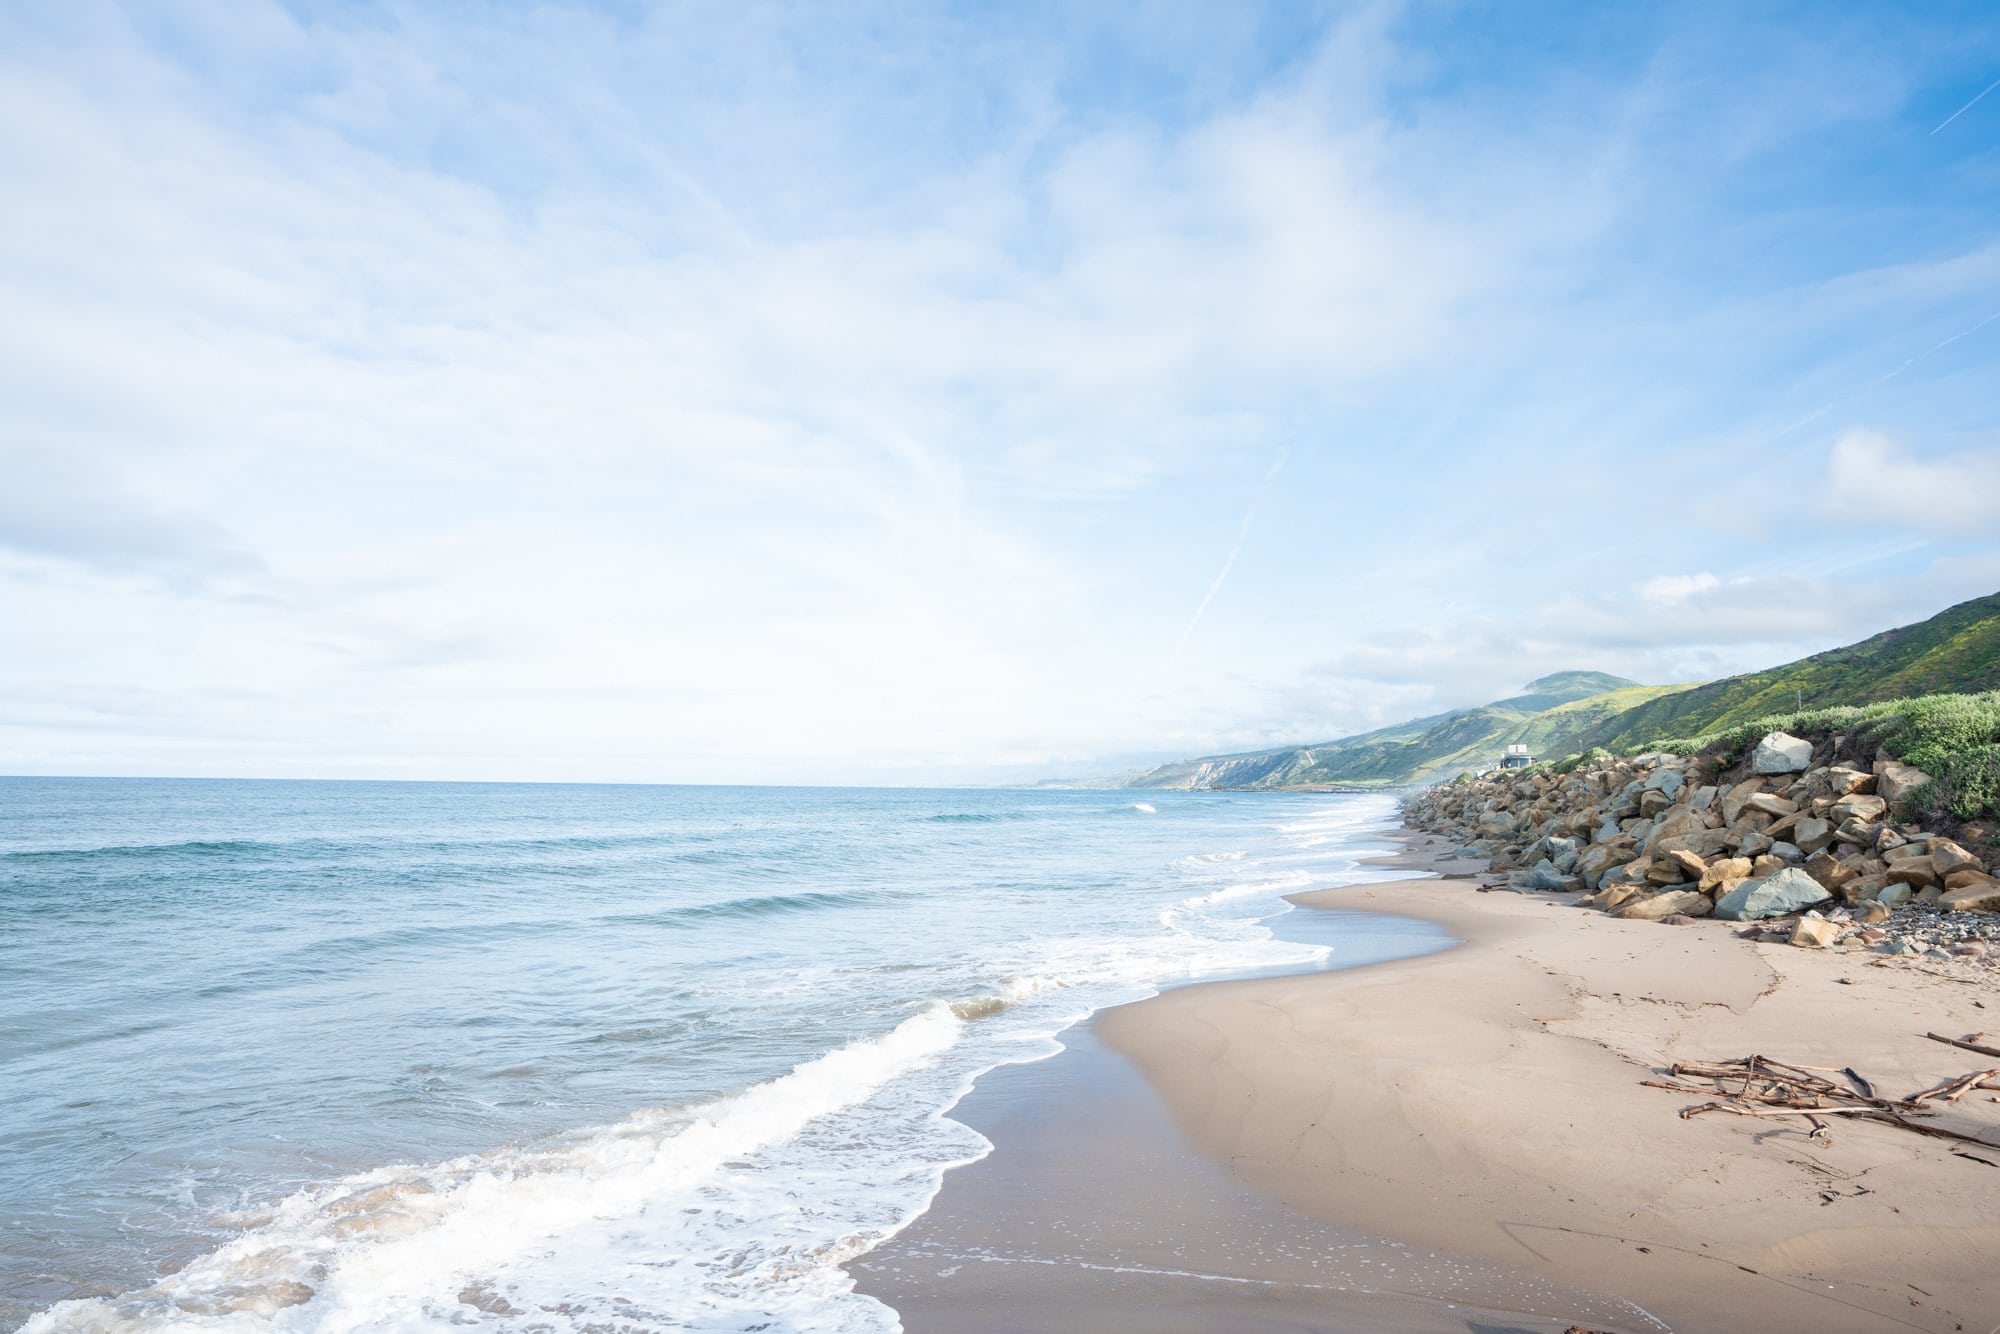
x,y
1789,891
1544,875
1667,782
1781,753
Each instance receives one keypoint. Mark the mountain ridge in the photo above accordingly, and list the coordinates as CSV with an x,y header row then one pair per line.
x,y
1955,651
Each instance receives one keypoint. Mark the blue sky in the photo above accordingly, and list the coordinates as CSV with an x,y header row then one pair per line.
x,y
913,393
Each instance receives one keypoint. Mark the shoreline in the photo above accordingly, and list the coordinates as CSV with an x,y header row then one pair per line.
x,y
1486,1101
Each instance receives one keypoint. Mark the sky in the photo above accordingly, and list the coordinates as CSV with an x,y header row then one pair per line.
x,y
938,393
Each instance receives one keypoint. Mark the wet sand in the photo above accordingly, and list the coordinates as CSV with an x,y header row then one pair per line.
x,y
1460,1142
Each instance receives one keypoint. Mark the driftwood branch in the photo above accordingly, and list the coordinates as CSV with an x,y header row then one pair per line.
x,y
1968,1046
1761,1087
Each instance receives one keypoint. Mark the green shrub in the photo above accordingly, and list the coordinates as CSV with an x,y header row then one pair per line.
x,y
1967,784
1938,729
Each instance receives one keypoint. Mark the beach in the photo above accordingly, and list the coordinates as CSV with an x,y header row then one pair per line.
x,y
1483,1108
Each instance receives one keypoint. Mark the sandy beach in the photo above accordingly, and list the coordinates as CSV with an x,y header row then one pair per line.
x,y
1488,1101
1461,1141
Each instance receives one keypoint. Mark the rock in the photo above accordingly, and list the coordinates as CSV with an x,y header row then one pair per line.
x,y
1599,858
1691,866
1894,895
1728,868
1653,802
1544,875
1843,780
1787,852
1766,864
1825,868
1894,781
1677,825
1968,879
1668,781
1771,804
1916,871
1670,903
1875,911
1619,895
1973,898
1947,857
1815,932
1752,844
1732,801
1781,753
1861,807
1812,834
1702,843
1789,891
1563,852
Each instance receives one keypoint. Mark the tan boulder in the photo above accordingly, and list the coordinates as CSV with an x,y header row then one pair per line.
x,y
1874,911
1727,869
1653,907
1947,857
1827,869
1771,804
1619,895
1917,872
1732,800
1815,932
1863,807
1894,781
1766,865
1703,843
1967,878
1843,780
1691,866
1973,898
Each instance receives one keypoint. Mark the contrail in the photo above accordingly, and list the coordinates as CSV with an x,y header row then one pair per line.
x,y
1968,106
1242,536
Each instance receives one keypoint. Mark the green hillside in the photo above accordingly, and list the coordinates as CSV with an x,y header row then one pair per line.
x,y
1551,711
1956,651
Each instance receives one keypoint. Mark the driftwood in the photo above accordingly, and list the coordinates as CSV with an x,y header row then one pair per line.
x,y
1967,1045
1759,1086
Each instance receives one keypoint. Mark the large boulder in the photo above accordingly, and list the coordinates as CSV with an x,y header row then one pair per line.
x,y
1811,834
1973,898
1789,891
1653,907
1948,856
1861,807
1894,781
1781,753
1702,842
1544,875
1667,781
1729,870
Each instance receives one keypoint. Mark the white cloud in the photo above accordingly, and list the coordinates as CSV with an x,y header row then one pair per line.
x,y
1873,481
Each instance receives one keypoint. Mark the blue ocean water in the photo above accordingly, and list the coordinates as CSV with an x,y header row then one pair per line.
x,y
329,1056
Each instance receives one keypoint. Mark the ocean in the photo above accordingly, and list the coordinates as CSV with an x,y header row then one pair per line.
x,y
333,1056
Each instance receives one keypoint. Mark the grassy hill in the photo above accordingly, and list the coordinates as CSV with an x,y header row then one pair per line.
x,y
1955,652
1553,709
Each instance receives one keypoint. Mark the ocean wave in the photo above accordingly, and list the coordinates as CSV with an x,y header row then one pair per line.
x,y
1208,859
433,1245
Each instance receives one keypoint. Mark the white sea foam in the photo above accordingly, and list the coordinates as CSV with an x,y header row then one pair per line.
x,y
1145,808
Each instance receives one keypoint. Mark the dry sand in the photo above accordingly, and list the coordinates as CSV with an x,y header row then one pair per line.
x,y
1486,1101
